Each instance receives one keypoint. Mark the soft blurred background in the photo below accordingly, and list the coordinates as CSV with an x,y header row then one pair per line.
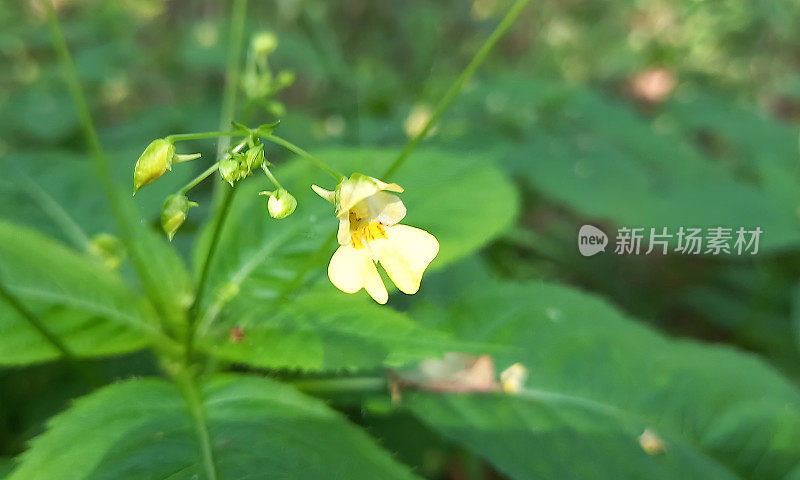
x,y
617,113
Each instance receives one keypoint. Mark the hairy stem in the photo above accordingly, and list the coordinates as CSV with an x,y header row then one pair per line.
x,y
456,87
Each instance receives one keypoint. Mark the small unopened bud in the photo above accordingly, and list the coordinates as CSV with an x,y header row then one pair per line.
x,y
155,161
281,203
109,249
254,157
513,378
174,213
264,43
229,169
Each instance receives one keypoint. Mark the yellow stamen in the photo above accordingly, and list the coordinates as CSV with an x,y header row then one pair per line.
x,y
360,236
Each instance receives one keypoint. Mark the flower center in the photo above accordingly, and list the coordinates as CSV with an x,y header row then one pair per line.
x,y
360,236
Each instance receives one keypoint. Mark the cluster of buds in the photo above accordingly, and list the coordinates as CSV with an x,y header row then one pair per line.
x,y
238,163
258,82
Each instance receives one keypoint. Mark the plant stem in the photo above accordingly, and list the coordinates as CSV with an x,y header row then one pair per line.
x,y
194,401
125,226
270,175
226,117
180,137
200,178
232,73
318,163
222,215
456,87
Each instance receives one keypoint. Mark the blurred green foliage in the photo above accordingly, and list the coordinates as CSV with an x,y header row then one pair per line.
x,y
648,113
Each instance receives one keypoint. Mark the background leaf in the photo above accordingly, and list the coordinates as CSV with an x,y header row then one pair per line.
x,y
592,368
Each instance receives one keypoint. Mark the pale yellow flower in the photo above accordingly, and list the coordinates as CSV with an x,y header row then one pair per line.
x,y
369,233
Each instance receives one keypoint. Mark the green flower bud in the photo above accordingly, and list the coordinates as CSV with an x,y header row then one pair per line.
x,y
229,169
264,43
281,203
154,162
254,157
174,213
108,249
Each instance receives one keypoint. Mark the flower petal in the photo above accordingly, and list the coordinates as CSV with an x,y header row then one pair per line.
x,y
326,194
343,235
358,187
353,190
392,187
351,270
405,255
381,207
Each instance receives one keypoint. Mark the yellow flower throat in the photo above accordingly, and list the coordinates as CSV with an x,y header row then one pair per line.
x,y
361,235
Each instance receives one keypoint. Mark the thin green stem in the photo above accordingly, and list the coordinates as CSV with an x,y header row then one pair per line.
x,y
181,137
125,226
232,75
270,175
210,170
233,71
197,411
222,215
317,162
456,87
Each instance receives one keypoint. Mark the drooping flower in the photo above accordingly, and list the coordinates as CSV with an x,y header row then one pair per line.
x,y
370,233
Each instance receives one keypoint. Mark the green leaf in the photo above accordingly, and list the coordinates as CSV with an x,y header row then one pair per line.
x,y
604,161
141,429
6,465
754,143
327,331
86,305
555,437
597,375
463,201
